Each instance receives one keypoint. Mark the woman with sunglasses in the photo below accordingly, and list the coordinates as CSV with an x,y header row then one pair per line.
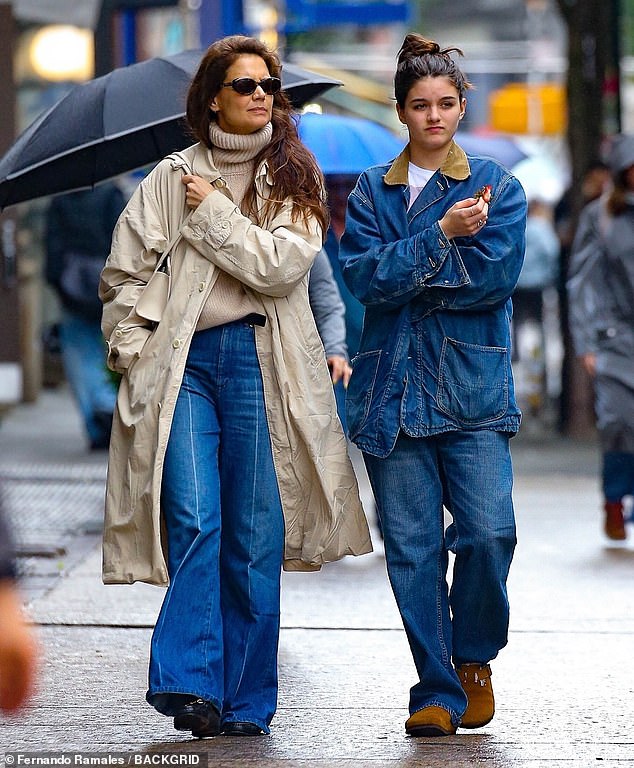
x,y
227,459
433,247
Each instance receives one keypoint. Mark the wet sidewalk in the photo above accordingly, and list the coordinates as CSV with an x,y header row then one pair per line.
x,y
564,685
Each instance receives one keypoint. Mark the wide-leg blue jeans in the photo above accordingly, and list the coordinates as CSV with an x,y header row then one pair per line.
x,y
216,637
469,473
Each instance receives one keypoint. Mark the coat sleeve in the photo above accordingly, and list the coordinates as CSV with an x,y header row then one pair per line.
x,y
327,306
461,274
271,260
585,283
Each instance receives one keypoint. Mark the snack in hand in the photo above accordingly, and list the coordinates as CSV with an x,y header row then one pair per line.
x,y
485,193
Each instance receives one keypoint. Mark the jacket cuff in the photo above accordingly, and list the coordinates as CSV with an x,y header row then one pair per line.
x,y
212,221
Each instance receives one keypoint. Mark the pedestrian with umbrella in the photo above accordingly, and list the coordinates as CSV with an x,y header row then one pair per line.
x,y
433,247
227,459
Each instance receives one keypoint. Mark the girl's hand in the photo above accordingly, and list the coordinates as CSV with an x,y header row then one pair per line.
x,y
466,217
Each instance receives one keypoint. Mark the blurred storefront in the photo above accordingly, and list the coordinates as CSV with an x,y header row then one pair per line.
x,y
514,54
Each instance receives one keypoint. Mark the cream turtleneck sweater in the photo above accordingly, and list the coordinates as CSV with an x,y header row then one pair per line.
x,y
234,157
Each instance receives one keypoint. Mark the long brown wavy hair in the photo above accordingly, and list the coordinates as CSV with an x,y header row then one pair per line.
x,y
295,170
419,58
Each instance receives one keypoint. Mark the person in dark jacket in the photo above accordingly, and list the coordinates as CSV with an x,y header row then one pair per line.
x,y
78,235
17,645
601,314
433,247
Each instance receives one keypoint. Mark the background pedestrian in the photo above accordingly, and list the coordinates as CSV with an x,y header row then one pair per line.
x,y
79,230
601,313
540,271
330,316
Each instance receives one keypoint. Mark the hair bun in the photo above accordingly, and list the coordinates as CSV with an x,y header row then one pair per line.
x,y
416,45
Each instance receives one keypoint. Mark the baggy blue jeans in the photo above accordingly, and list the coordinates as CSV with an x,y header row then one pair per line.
x,y
470,473
84,358
216,637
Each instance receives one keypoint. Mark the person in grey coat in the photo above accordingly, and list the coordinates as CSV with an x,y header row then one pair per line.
x,y
601,312
329,312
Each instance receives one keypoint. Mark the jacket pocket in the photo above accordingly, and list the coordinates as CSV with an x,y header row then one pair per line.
x,y
473,385
359,394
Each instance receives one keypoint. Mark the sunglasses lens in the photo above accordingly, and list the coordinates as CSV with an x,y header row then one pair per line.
x,y
271,85
245,86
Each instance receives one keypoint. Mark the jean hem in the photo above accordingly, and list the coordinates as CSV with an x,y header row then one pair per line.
x,y
170,710
246,719
455,719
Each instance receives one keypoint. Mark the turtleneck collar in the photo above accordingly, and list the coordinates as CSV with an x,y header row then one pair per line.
x,y
230,148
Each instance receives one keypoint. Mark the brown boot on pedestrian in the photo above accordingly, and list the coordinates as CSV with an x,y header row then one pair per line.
x,y
476,683
614,523
430,721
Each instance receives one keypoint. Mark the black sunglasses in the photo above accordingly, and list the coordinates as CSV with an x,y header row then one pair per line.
x,y
245,86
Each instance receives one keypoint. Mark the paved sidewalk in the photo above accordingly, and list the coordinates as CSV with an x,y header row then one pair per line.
x,y
564,685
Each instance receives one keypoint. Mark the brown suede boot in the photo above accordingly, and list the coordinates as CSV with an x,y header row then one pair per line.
x,y
430,721
614,524
476,683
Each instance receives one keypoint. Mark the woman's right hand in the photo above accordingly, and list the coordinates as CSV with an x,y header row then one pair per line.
x,y
464,218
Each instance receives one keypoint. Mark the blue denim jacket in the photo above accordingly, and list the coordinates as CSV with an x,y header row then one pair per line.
x,y
435,349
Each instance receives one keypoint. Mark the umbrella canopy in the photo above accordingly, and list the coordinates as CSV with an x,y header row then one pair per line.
x,y
131,117
543,178
501,148
346,145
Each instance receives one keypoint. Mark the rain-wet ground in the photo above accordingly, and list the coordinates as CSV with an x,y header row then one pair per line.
x,y
564,685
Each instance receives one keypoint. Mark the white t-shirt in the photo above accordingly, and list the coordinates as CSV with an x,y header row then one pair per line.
x,y
417,178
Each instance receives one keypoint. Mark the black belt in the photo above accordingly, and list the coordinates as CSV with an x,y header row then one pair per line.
x,y
254,318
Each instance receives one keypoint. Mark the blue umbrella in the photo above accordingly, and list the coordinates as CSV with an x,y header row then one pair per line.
x,y
501,148
346,145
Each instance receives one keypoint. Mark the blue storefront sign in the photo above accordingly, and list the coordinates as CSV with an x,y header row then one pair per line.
x,y
303,15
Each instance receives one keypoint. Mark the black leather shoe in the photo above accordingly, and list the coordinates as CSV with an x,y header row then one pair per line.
x,y
198,716
241,729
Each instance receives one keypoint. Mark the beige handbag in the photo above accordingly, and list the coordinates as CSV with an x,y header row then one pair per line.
x,y
152,302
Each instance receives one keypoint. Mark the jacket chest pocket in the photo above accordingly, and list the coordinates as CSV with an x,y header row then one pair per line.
x,y
473,385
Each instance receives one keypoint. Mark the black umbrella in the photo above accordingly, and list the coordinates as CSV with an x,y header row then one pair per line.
x,y
131,117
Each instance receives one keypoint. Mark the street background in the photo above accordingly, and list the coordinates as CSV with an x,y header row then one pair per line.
x,y
564,685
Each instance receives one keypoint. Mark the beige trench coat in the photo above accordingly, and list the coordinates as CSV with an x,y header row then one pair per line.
x,y
323,516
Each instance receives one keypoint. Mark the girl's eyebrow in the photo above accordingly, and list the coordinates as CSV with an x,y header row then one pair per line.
x,y
441,98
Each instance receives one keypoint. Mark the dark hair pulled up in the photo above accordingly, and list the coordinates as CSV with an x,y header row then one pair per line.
x,y
419,58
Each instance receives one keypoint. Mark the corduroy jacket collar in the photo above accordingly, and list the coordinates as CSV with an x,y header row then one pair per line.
x,y
456,166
